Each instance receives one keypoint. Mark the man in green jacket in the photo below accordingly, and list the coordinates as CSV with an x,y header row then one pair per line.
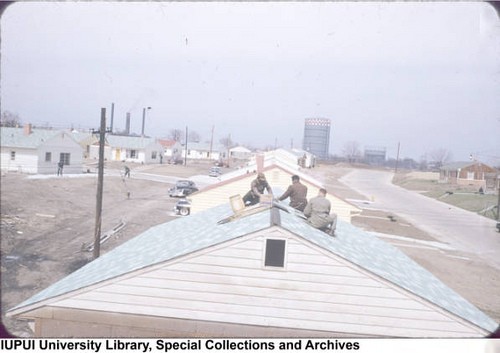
x,y
317,212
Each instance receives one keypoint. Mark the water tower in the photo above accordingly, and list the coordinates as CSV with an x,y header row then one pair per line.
x,y
317,137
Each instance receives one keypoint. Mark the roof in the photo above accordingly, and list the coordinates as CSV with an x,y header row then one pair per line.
x,y
15,137
135,142
168,143
204,146
350,243
460,165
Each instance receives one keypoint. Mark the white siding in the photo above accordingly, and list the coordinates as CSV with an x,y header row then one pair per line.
x,y
315,291
25,160
277,178
60,143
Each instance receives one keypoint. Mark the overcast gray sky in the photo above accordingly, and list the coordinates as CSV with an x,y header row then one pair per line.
x,y
426,75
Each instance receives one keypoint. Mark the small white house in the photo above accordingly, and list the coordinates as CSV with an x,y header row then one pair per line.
x,y
203,151
38,151
171,148
240,152
135,149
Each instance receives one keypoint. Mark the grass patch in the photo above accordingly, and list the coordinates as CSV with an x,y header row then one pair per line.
x,y
465,197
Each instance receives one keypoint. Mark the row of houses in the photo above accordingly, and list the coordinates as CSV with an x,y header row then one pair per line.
x,y
38,151
34,150
260,271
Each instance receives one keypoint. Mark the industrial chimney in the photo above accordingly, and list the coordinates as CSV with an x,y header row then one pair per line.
x,y
127,125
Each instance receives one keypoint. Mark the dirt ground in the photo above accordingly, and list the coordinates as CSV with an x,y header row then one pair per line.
x,y
46,222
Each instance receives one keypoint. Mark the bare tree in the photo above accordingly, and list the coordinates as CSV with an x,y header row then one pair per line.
x,y
10,119
227,142
440,156
194,136
175,134
351,151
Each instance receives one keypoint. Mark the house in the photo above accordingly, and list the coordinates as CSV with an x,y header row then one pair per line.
x,y
203,151
136,149
171,149
472,173
38,151
278,173
263,272
85,140
240,152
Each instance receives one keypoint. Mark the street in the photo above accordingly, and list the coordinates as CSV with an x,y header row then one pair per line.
x,y
462,230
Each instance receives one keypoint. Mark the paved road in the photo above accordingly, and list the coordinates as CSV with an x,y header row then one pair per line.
x,y
463,230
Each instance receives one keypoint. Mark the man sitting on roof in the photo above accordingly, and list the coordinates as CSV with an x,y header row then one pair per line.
x,y
318,215
297,193
257,188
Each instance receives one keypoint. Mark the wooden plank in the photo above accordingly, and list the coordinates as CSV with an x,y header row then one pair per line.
x,y
253,283
213,289
343,323
304,302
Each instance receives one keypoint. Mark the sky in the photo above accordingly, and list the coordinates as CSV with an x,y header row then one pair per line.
x,y
423,75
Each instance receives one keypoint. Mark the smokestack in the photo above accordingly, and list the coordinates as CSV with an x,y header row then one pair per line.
x,y
112,114
27,129
127,125
143,121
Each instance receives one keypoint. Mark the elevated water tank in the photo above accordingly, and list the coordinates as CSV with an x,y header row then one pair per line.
x,y
317,137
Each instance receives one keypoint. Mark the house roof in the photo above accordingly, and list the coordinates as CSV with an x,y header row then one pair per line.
x,y
133,142
15,137
204,146
460,165
168,143
206,230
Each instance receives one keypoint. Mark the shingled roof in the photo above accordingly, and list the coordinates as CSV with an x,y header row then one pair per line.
x,y
206,230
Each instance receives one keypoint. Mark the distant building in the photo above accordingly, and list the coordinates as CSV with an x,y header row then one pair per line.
x,y
317,137
133,149
38,151
375,155
469,173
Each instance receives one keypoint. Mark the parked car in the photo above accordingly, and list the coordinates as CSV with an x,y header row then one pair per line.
x,y
182,188
215,172
498,226
183,207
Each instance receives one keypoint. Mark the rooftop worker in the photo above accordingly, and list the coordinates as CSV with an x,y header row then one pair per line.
x,y
257,188
297,193
317,212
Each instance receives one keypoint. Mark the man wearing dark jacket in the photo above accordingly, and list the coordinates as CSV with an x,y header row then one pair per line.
x,y
257,188
297,192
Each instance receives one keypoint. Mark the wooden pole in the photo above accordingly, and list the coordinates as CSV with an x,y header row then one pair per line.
x,y
397,160
186,149
100,179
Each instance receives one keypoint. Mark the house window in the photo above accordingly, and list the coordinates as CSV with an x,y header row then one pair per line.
x,y
275,253
48,156
153,154
12,155
64,157
470,175
132,154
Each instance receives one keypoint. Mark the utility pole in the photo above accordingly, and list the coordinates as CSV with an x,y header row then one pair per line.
x,y
112,116
186,149
397,160
498,191
100,178
211,142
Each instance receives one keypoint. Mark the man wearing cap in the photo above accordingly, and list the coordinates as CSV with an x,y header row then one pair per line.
x,y
297,193
257,188
317,212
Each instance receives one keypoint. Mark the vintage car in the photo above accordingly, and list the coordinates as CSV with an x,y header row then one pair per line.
x,y
215,172
183,207
182,188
